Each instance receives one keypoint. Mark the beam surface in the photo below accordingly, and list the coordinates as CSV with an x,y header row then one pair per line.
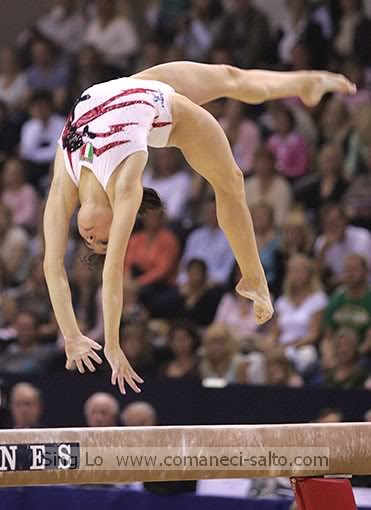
x,y
21,452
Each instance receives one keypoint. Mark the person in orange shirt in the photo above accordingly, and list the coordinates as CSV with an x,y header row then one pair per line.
x,y
152,257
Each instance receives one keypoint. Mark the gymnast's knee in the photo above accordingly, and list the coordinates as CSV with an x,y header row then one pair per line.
x,y
232,187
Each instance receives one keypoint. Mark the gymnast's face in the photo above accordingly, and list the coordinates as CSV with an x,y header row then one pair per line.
x,y
94,223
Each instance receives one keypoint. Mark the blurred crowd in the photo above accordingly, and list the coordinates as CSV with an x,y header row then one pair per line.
x,y
308,184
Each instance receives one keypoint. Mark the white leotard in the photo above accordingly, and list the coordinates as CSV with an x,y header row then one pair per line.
x,y
112,120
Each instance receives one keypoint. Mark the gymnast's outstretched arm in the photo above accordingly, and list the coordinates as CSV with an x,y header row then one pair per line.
x,y
128,197
61,203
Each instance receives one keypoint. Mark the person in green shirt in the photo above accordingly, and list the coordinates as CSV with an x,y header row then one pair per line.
x,y
347,372
350,307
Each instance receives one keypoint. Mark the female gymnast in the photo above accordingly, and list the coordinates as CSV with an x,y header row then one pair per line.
x,y
99,162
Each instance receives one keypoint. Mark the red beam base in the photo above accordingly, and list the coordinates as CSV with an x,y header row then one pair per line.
x,y
323,494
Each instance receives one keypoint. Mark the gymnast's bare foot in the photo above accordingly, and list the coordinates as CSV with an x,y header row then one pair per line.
x,y
319,83
263,308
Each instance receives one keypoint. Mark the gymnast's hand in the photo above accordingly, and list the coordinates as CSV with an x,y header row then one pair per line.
x,y
121,369
79,350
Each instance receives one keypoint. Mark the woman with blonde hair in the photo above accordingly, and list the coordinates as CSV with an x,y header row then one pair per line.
x,y
297,325
219,356
297,236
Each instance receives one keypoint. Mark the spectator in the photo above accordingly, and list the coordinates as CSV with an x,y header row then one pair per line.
x,y
19,196
47,72
168,17
288,146
198,30
196,299
171,181
9,134
243,134
26,406
8,314
26,355
39,137
352,37
267,186
112,35
13,84
280,371
367,415
335,124
13,249
268,244
245,32
152,257
297,236
299,311
183,343
359,140
330,415
347,372
350,307
357,200
208,243
220,358
300,25
88,71
132,309
63,25
33,296
339,239
139,414
101,410
152,54
135,342
328,185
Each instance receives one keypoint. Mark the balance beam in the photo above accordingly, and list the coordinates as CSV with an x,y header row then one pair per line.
x,y
23,452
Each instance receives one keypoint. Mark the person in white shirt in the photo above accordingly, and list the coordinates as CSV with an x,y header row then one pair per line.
x,y
297,324
64,25
39,136
114,36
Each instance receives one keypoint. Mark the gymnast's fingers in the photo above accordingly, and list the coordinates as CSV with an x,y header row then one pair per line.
x,y
114,377
135,376
95,357
95,345
89,364
132,384
121,383
69,364
80,366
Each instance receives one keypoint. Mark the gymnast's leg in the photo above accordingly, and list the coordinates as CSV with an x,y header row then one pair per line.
x,y
203,83
207,150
